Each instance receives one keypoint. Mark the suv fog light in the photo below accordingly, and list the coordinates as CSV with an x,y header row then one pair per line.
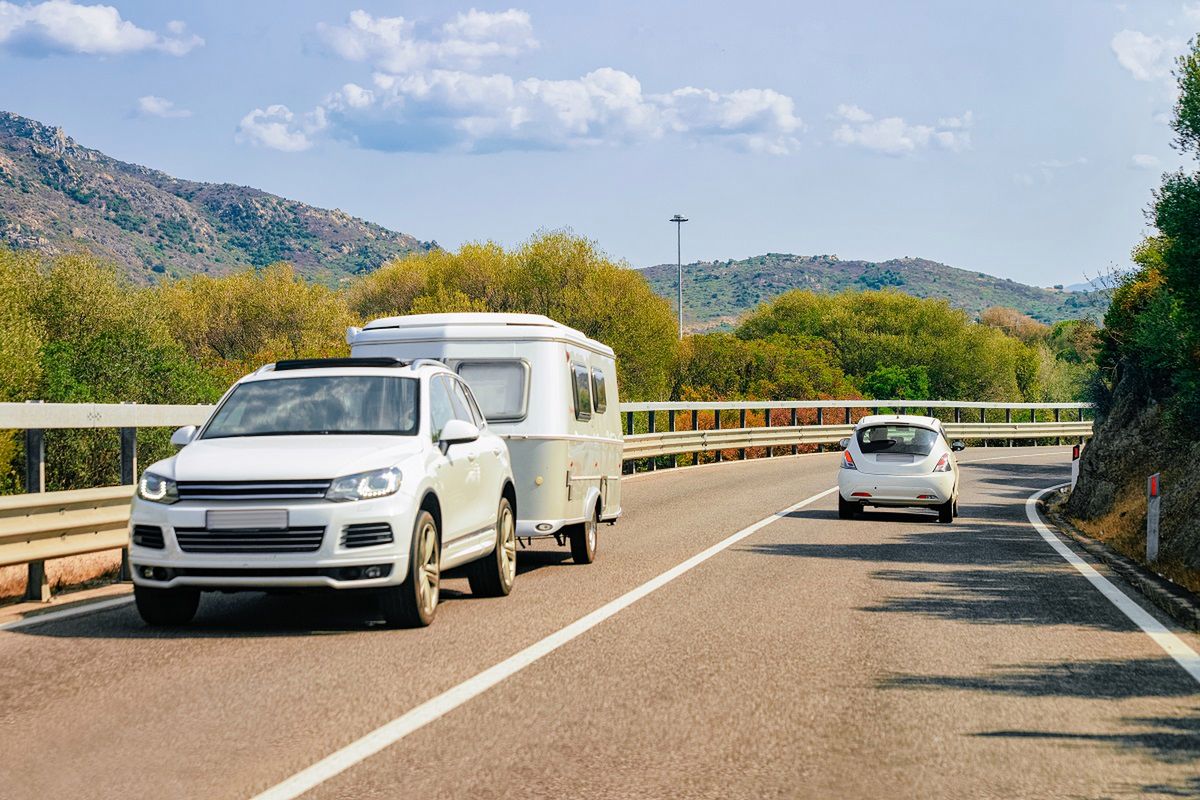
x,y
148,573
373,572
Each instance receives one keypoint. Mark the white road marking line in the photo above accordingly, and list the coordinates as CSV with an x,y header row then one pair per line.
x,y
1175,647
51,616
447,701
1055,452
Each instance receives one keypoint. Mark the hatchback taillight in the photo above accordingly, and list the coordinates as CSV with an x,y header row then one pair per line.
x,y
847,460
943,464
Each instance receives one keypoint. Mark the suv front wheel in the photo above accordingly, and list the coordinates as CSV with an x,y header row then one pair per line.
x,y
166,606
413,603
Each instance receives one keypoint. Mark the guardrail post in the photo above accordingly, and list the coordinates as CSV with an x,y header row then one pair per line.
x,y
1057,415
795,419
958,415
695,427
37,584
717,427
767,424
929,411
128,477
820,421
983,421
1008,419
629,432
742,424
650,427
671,428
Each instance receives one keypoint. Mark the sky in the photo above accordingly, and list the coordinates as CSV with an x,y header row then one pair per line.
x,y
1021,139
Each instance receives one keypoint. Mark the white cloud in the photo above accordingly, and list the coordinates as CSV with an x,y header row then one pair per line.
x,y
1046,169
154,106
65,27
277,128
894,136
1148,58
1144,161
391,44
429,93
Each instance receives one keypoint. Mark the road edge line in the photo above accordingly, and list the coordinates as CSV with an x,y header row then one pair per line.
x,y
1175,647
416,718
85,607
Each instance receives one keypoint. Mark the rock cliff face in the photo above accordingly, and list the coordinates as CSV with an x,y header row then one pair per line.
x,y
57,196
1131,443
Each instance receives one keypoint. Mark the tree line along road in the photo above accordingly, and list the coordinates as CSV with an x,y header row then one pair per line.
x,y
716,649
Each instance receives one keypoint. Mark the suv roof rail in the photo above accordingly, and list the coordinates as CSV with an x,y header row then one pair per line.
x,y
324,363
427,362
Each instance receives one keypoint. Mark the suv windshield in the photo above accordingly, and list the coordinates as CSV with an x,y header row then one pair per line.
x,y
896,439
337,404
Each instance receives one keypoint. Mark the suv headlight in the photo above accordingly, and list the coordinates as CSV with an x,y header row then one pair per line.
x,y
365,485
157,489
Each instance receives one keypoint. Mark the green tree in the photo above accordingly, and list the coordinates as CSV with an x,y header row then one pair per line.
x,y
897,383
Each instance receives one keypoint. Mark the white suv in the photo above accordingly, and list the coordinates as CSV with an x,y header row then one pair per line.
x,y
364,473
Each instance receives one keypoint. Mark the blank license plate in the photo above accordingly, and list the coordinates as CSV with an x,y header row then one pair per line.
x,y
262,520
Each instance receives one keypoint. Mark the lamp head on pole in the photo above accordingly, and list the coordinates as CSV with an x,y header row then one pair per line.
x,y
677,218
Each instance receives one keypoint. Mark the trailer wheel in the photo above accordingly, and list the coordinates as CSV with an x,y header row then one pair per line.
x,y
160,607
583,539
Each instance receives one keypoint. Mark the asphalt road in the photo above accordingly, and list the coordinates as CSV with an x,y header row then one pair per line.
x,y
883,657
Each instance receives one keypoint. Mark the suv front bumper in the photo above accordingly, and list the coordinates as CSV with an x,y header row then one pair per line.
x,y
332,565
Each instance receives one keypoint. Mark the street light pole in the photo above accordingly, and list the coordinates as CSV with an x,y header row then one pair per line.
x,y
678,220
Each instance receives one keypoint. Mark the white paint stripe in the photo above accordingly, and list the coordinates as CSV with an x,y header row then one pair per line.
x,y
451,699
1058,452
75,611
1175,647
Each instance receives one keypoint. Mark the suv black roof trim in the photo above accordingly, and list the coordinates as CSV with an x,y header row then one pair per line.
x,y
325,363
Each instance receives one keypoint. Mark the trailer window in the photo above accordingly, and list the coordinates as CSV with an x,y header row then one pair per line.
x,y
582,393
500,387
599,396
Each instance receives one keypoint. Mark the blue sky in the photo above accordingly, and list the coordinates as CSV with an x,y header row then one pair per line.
x,y
1019,139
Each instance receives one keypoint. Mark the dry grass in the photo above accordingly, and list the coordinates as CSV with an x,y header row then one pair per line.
x,y
64,573
1124,530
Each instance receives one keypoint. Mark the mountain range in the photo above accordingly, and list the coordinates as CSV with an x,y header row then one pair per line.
x,y
58,196
716,293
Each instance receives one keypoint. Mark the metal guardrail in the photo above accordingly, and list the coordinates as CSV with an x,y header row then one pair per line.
x,y
43,525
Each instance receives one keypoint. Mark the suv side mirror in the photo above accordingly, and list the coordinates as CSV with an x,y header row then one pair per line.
x,y
958,446
458,431
843,444
183,436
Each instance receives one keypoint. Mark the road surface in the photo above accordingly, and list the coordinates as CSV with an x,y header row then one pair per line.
x,y
888,656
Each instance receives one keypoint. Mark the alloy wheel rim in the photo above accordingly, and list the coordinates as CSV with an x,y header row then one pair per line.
x,y
508,547
428,572
591,535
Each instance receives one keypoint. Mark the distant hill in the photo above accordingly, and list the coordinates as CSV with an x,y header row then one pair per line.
x,y
57,196
716,293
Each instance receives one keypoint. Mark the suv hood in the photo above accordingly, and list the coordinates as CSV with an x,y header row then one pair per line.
x,y
253,458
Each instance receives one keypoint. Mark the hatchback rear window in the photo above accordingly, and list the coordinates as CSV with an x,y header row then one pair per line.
x,y
896,439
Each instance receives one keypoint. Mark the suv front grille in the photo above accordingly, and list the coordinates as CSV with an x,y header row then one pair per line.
x,y
253,490
289,540
367,534
148,536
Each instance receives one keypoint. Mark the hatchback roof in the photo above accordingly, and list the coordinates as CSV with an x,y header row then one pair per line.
x,y
933,423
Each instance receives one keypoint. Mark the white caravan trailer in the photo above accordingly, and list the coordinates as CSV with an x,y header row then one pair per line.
x,y
549,391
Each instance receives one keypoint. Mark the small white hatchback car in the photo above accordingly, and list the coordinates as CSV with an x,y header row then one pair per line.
x,y
363,473
899,461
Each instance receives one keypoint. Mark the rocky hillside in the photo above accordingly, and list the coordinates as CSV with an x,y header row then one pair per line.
x,y
58,196
717,292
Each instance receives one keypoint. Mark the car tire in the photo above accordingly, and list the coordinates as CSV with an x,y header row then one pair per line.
x,y
162,607
848,509
956,508
413,603
946,511
583,539
494,574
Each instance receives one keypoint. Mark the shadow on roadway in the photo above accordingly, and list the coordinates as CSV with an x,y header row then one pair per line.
x,y
281,613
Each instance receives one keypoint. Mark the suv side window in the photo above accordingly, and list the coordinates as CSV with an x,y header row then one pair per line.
x,y
441,408
582,391
463,408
